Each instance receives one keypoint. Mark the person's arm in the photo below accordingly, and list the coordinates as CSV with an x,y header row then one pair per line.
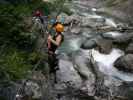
x,y
48,41
58,40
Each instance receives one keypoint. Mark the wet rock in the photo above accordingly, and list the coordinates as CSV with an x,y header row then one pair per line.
x,y
125,63
74,19
119,90
84,68
77,77
87,32
111,35
92,22
67,73
76,30
104,45
129,49
125,38
76,74
118,9
88,44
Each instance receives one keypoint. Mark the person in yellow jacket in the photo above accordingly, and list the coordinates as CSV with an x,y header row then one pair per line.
x,y
53,42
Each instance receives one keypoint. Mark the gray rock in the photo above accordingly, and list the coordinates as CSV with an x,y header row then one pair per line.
x,y
84,68
73,18
88,44
87,32
129,49
91,22
104,45
122,13
77,73
29,89
33,89
67,73
111,35
125,38
125,63
76,30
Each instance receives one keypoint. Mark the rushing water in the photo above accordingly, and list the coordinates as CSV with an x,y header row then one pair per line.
x,y
110,22
70,45
114,34
105,62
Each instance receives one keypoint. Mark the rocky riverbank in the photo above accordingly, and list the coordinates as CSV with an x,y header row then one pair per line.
x,y
95,59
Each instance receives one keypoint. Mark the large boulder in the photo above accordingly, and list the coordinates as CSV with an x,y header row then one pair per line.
x,y
89,44
77,72
129,49
67,73
83,66
125,38
125,63
104,45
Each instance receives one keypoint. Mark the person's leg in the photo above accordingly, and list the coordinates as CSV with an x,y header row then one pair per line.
x,y
55,67
53,64
50,62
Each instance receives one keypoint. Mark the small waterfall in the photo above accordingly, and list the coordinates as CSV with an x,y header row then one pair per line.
x,y
106,61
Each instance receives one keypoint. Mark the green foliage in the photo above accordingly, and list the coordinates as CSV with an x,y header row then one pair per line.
x,y
17,42
34,57
59,6
12,27
2,98
13,65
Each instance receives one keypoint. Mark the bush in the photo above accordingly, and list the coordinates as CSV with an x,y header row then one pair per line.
x,y
13,65
17,42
